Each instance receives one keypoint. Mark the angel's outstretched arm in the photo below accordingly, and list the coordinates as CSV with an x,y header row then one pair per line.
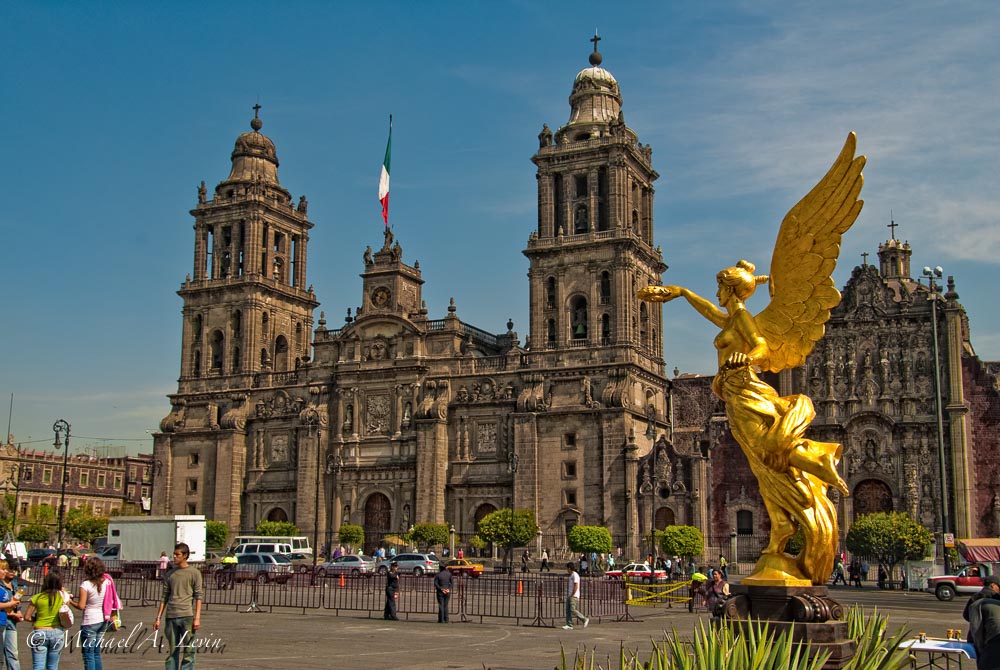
x,y
668,293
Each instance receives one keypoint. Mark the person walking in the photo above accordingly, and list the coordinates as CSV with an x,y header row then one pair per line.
x,y
47,639
545,561
91,602
573,599
724,566
181,601
163,564
391,593
229,563
442,587
10,600
716,591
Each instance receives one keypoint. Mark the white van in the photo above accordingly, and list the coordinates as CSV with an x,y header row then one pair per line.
x,y
263,548
299,543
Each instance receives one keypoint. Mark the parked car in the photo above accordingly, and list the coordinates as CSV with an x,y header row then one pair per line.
x,y
350,564
463,566
36,556
262,567
416,564
263,548
301,562
638,572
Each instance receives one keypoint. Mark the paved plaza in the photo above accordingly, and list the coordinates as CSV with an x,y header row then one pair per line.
x,y
287,638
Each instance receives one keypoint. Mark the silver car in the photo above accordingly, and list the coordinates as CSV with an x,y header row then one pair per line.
x,y
416,564
349,564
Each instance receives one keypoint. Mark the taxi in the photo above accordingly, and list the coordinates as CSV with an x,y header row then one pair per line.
x,y
462,566
638,572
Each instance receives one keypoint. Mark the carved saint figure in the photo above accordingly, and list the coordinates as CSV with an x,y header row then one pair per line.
x,y
793,472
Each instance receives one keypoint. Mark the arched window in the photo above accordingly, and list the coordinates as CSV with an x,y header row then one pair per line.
x,y
605,329
744,522
643,323
280,353
578,318
605,287
196,328
237,322
263,324
551,334
550,293
197,363
236,359
581,222
218,350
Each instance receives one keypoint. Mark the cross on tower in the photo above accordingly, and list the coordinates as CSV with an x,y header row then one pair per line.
x,y
864,259
892,227
256,110
595,39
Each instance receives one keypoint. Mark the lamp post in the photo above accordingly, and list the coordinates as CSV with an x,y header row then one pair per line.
x,y
512,469
933,295
651,435
61,427
451,541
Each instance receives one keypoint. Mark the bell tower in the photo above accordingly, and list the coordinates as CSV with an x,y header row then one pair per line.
x,y
593,248
247,308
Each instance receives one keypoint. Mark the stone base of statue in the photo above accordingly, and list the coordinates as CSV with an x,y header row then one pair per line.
x,y
806,611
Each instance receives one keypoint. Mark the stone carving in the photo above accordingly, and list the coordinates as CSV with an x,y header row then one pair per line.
x,y
279,450
279,404
377,413
486,438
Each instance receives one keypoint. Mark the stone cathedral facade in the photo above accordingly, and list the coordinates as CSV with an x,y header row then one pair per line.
x,y
397,418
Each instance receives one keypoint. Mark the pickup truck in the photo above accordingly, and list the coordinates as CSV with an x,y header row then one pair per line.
x,y
638,572
969,580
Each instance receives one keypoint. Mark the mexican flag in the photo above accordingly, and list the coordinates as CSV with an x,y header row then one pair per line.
x,y
383,180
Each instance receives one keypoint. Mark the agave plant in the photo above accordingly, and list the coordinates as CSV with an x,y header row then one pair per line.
x,y
757,647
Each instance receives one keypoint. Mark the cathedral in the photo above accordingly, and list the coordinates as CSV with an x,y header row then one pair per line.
x,y
397,418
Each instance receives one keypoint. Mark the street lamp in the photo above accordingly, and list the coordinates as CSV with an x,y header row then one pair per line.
x,y
451,538
512,469
933,295
651,435
60,427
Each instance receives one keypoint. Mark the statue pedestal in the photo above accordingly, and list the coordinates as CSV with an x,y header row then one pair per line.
x,y
806,611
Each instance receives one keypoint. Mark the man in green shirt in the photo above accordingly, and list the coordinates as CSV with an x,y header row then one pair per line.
x,y
182,602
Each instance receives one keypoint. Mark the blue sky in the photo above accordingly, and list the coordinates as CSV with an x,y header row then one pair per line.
x,y
114,112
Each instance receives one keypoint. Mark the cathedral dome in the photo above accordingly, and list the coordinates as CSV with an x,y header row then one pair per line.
x,y
254,156
598,74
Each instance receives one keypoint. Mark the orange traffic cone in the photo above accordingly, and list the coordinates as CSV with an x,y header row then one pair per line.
x,y
520,587
343,582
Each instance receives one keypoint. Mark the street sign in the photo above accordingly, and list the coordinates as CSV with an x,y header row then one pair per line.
x,y
949,539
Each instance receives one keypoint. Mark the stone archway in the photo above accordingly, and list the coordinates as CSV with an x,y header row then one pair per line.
x,y
664,517
378,517
277,514
872,496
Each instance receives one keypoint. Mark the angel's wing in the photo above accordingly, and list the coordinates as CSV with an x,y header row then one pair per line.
x,y
805,254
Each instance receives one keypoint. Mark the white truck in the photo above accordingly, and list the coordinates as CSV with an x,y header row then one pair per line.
x,y
141,539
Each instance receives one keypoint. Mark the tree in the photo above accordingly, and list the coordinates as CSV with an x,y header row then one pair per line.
x,y
42,514
33,532
508,528
84,526
351,534
216,533
590,539
430,534
686,541
277,528
888,537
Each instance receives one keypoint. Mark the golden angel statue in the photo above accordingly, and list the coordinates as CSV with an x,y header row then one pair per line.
x,y
793,472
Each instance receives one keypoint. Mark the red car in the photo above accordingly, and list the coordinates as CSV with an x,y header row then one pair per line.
x,y
638,572
461,566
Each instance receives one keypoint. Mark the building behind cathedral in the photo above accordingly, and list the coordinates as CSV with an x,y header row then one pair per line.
x,y
397,418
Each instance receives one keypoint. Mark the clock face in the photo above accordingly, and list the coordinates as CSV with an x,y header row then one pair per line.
x,y
380,296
